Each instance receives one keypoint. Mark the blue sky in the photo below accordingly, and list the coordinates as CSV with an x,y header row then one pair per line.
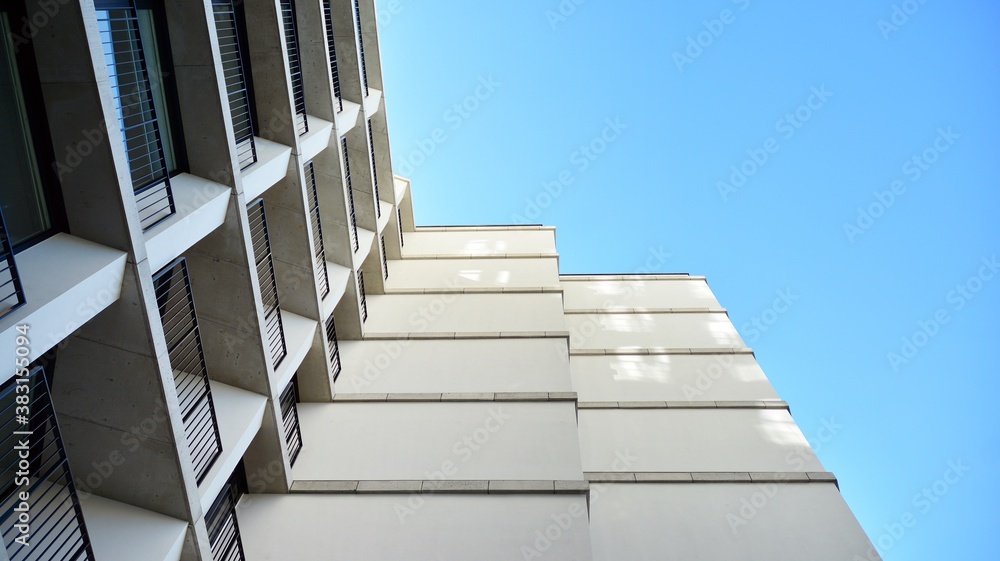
x,y
841,155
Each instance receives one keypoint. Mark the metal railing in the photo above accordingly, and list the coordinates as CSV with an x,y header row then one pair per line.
x,y
175,303
261,242
11,291
234,72
223,527
350,196
290,419
361,46
331,339
364,300
319,251
385,258
334,71
371,152
133,98
36,481
289,25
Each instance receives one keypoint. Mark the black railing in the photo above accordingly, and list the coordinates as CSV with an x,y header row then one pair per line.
x,y
350,196
289,26
399,223
361,46
234,71
334,71
40,515
261,241
331,339
364,300
371,151
11,291
319,252
385,258
187,360
223,527
290,420
133,97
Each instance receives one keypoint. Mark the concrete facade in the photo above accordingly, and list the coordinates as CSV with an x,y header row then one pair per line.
x,y
473,403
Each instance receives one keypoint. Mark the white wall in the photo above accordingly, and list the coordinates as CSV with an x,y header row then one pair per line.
x,y
468,242
727,440
481,440
473,273
685,330
454,365
417,527
676,377
719,521
678,293
476,313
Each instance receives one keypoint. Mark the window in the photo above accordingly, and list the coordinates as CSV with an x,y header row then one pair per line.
x,y
230,29
57,529
331,340
136,49
334,72
385,258
361,46
273,329
364,300
350,196
288,24
290,419
319,252
175,303
371,152
223,526
30,200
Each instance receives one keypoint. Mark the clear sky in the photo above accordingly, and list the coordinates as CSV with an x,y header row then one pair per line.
x,y
830,167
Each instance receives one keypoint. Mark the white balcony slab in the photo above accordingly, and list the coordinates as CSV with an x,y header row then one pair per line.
x,y
372,102
670,377
316,140
679,440
270,168
239,414
386,211
454,366
687,522
121,532
438,527
479,243
338,277
201,208
348,118
433,440
678,292
299,333
67,281
400,186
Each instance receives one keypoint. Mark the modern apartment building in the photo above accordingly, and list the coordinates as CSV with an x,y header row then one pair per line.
x,y
226,338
